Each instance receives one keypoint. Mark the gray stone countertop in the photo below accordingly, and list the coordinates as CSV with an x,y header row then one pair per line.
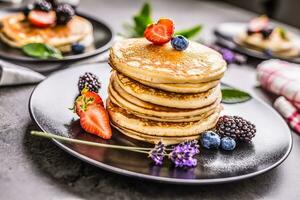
x,y
34,168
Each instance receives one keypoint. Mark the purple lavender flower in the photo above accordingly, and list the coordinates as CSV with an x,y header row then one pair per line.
x,y
157,154
228,55
183,154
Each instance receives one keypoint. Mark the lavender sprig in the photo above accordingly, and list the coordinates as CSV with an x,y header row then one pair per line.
x,y
158,153
182,155
230,56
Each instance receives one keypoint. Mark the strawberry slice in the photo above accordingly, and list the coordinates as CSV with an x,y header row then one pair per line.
x,y
41,19
161,32
95,120
85,99
259,23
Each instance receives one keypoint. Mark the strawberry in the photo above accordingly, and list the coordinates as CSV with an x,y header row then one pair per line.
x,y
161,32
259,23
95,120
41,19
85,99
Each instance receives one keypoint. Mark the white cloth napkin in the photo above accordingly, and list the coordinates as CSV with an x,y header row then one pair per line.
x,y
283,78
11,74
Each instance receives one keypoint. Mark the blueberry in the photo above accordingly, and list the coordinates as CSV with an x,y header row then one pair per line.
x,y
77,48
228,143
210,140
179,43
27,9
268,52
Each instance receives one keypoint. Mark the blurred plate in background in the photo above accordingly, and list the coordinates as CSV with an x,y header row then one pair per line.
x,y
226,32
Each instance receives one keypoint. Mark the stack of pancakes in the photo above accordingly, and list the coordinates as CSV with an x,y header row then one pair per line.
x,y
16,32
157,93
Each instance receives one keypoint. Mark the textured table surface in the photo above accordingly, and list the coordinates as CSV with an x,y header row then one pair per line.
x,y
34,168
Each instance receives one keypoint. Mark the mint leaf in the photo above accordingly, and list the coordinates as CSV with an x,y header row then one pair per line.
x,y
191,32
42,51
37,50
142,19
282,33
232,96
53,52
146,10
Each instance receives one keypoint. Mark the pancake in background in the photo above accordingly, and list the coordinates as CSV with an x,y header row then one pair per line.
x,y
17,32
140,59
262,36
168,99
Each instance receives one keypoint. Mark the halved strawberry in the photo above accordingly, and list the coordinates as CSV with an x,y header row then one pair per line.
x,y
95,120
85,99
161,32
41,19
259,23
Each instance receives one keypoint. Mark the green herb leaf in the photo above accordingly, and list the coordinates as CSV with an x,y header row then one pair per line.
x,y
142,19
40,50
191,32
232,96
54,52
282,33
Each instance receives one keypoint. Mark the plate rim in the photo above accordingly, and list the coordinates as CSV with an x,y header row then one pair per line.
x,y
158,178
70,58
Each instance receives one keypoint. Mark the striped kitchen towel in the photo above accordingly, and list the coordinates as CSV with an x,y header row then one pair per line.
x,y
283,78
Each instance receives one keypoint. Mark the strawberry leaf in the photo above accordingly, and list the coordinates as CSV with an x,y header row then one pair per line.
x,y
232,96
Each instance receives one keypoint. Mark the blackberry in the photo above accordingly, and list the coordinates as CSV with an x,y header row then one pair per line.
x,y
43,5
53,3
90,81
64,13
250,32
267,32
236,127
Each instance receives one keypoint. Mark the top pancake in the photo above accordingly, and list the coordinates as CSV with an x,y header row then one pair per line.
x,y
140,59
19,32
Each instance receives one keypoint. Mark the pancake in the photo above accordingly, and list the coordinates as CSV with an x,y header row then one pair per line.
x,y
124,119
183,87
140,59
168,99
154,139
156,112
287,53
17,32
174,118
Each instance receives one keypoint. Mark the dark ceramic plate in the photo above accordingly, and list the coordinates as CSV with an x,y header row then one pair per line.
x,y
226,32
103,36
49,109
